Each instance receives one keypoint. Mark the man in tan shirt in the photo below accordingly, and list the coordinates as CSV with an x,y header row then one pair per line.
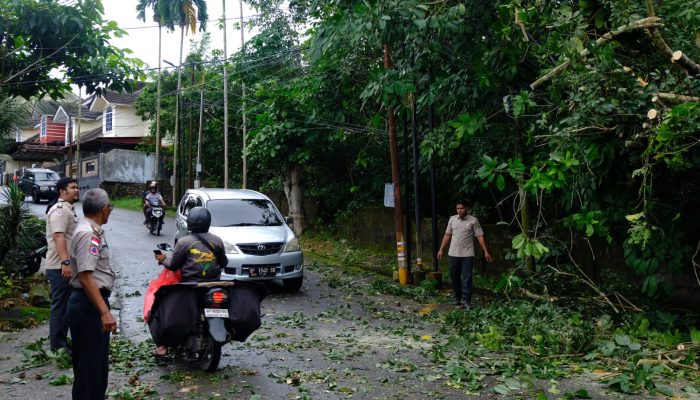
x,y
89,315
460,233
61,221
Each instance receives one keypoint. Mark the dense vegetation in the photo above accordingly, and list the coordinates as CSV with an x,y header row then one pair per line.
x,y
563,119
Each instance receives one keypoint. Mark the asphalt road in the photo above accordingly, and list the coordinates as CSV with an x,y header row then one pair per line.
x,y
334,339
322,342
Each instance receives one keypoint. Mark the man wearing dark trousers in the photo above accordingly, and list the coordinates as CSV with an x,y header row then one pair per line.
x,y
460,233
89,315
61,221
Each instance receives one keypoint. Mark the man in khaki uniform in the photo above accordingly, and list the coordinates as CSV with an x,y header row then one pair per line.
x,y
89,315
461,231
61,221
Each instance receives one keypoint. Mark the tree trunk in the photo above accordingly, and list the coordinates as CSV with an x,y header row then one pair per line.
x,y
294,190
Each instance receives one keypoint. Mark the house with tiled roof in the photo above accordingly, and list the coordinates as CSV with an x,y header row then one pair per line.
x,y
104,154
39,141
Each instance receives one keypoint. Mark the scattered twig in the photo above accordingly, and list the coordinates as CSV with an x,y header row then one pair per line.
x,y
527,293
652,361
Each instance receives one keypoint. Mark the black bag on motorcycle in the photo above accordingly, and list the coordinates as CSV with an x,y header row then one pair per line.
x,y
174,315
244,309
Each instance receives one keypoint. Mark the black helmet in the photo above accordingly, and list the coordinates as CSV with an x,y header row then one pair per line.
x,y
198,220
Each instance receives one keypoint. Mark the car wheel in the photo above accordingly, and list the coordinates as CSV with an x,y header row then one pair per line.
x,y
35,196
293,284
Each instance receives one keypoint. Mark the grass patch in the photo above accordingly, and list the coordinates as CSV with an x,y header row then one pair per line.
x,y
136,204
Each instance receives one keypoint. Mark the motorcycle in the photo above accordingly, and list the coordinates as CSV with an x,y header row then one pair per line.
x,y
197,319
155,219
34,259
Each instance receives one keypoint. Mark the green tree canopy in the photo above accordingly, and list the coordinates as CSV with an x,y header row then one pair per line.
x,y
45,47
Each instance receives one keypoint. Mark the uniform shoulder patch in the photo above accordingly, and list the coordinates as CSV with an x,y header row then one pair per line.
x,y
59,213
93,250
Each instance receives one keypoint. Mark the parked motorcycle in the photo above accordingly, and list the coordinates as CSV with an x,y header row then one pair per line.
x,y
197,319
155,219
34,258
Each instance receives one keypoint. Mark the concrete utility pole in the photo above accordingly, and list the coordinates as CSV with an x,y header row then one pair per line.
x,y
77,134
156,166
176,183
223,5
416,186
198,166
398,212
71,129
245,139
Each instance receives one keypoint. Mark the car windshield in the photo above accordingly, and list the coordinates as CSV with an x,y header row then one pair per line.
x,y
242,213
46,176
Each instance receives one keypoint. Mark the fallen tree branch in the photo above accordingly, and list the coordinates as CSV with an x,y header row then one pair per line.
x,y
677,57
591,284
645,23
630,305
677,98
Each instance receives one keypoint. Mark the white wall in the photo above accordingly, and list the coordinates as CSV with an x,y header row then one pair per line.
x,y
127,166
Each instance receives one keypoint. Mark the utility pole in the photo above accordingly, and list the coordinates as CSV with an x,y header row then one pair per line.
x,y
198,166
245,139
416,186
223,5
157,163
407,190
71,129
175,182
77,125
395,173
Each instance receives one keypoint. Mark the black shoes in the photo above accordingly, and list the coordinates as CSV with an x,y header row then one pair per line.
x,y
463,305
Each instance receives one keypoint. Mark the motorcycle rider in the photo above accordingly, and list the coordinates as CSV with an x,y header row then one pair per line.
x,y
150,199
200,255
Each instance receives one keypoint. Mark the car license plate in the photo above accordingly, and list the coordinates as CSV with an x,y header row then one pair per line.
x,y
261,271
216,312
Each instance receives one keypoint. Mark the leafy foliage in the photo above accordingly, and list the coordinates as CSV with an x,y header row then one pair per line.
x,y
577,155
41,36
19,231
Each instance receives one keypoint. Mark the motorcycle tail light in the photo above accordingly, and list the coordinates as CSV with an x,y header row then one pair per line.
x,y
217,298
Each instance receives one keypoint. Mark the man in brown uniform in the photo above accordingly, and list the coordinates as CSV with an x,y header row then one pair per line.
x,y
89,315
461,231
61,221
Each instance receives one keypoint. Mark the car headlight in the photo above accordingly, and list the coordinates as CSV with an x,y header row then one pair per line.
x,y
44,188
229,248
293,245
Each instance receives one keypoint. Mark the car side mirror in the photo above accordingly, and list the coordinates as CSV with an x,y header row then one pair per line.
x,y
289,220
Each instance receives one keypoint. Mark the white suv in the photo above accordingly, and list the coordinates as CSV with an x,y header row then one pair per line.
x,y
257,239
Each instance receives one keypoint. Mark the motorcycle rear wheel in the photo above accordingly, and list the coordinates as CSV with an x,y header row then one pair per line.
x,y
210,357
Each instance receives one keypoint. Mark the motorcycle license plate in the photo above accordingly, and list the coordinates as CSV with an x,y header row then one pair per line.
x,y
216,312
262,271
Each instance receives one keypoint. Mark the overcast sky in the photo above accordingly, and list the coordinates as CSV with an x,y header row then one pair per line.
x,y
143,36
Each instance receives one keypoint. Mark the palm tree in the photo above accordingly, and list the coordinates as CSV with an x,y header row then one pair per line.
x,y
186,14
160,14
